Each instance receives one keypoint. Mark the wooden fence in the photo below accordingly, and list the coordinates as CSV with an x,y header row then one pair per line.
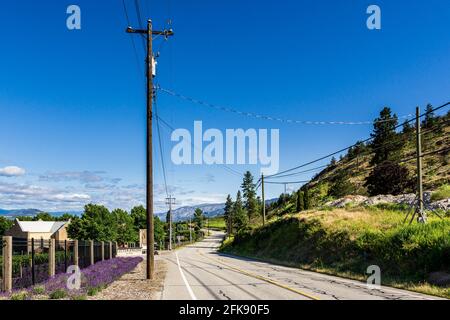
x,y
25,263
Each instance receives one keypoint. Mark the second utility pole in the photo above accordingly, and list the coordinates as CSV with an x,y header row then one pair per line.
x,y
263,199
150,268
421,216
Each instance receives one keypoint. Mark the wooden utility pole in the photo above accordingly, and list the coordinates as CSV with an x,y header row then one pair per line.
x,y
149,71
421,216
263,199
190,229
170,201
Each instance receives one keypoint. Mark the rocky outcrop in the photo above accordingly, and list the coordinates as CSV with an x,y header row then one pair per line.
x,y
408,199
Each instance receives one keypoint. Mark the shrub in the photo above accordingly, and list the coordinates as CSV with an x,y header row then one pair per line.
x,y
58,294
39,290
388,178
92,291
19,296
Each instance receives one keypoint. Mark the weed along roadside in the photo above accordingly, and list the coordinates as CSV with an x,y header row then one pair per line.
x,y
346,242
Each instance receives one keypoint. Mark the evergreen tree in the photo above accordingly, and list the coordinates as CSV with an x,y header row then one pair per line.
x,y
407,127
430,118
199,218
385,143
249,193
228,215
240,219
300,201
306,200
333,161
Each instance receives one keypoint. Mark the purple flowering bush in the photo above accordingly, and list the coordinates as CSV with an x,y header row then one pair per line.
x,y
93,279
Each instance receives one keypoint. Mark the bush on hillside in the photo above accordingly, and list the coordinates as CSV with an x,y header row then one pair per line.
x,y
388,178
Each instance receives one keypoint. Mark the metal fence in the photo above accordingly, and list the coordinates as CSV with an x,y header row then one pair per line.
x,y
30,260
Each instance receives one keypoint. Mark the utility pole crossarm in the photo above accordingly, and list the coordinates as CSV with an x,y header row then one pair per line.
x,y
166,33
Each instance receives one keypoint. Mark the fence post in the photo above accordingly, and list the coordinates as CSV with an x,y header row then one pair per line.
x,y
103,250
7,264
51,258
33,265
110,250
91,255
75,253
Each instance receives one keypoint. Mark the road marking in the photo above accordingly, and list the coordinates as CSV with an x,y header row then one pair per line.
x,y
191,293
262,278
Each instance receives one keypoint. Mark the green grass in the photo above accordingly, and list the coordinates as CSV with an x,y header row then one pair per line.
x,y
217,223
346,241
443,192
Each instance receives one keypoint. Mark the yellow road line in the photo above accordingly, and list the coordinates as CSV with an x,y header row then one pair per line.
x,y
262,278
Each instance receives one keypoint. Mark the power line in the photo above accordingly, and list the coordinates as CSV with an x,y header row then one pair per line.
x,y
266,117
287,182
299,173
161,151
136,55
139,17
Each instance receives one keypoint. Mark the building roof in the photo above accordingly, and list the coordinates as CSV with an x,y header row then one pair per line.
x,y
41,226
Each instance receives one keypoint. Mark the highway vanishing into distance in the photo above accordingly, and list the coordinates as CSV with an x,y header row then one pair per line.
x,y
199,272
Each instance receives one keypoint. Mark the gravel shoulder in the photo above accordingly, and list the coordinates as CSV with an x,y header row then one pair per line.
x,y
134,286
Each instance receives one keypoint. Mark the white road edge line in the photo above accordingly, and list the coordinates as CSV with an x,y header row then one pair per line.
x,y
191,293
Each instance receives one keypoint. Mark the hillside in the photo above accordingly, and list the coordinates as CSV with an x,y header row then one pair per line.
x,y
355,166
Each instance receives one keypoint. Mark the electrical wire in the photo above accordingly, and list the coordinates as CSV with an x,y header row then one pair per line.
x,y
161,151
348,148
265,117
136,55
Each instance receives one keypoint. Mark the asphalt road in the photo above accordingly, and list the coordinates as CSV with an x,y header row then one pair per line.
x,y
199,272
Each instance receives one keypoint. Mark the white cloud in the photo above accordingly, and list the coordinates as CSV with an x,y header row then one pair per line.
x,y
11,171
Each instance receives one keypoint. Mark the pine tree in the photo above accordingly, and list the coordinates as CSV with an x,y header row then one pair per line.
x,y
240,219
249,192
228,215
306,200
333,161
407,127
430,118
300,201
385,143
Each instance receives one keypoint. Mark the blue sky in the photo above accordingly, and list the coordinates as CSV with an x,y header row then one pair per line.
x,y
72,103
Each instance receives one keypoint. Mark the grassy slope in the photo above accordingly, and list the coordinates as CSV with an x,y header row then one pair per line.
x,y
346,242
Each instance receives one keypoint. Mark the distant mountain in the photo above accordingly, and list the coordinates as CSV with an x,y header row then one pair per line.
x,y
209,210
12,214
183,213
19,212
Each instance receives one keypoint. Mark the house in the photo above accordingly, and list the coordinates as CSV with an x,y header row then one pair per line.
x,y
39,230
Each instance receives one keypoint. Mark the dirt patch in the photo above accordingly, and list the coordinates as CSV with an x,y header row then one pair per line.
x,y
134,285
